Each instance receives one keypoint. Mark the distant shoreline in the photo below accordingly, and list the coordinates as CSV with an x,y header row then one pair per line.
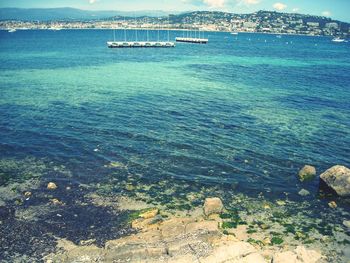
x,y
156,29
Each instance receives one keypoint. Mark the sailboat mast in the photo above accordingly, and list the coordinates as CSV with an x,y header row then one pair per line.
x,y
114,30
168,28
124,28
135,28
147,29
158,29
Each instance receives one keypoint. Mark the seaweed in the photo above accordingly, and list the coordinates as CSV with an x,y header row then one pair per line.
x,y
276,240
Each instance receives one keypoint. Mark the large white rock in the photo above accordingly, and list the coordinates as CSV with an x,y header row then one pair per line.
x,y
338,178
299,255
213,206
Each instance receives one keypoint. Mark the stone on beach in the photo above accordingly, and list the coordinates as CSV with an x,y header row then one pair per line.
x,y
338,179
299,255
213,206
307,173
51,186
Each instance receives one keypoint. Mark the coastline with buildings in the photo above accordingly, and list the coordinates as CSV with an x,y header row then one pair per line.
x,y
258,22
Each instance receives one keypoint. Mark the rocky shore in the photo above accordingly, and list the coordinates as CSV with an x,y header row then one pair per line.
x,y
55,219
200,237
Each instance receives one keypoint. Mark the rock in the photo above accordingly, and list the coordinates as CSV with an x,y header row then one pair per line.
x,y
150,213
307,173
142,223
55,201
213,206
130,187
332,204
266,206
264,226
267,241
338,179
280,202
304,192
285,257
51,186
28,194
307,256
207,226
299,255
87,242
346,223
238,252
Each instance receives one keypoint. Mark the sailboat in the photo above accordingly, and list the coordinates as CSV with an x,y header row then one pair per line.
x,y
188,38
139,44
338,40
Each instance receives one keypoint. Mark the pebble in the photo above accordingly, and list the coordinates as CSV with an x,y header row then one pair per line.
x,y
51,186
27,194
130,187
332,204
267,207
87,242
280,202
304,192
56,201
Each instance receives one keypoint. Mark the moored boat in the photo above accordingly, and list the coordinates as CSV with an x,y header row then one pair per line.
x,y
338,40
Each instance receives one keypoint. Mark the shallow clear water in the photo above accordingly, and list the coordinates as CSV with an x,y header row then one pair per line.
x,y
250,109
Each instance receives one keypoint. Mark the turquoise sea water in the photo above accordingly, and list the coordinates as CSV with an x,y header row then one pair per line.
x,y
247,110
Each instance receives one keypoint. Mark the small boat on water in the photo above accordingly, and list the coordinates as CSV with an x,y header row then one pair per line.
x,y
234,33
12,30
338,40
193,40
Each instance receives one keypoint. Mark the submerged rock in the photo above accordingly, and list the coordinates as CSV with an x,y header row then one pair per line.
x,y
28,194
307,173
299,255
338,179
346,223
213,206
332,204
304,192
51,186
150,213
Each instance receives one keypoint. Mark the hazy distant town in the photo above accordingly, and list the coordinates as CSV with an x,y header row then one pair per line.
x,y
262,21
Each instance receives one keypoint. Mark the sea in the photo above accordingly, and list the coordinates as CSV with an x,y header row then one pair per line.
x,y
240,115
248,110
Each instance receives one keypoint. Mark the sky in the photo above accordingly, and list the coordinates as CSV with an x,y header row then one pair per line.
x,y
336,9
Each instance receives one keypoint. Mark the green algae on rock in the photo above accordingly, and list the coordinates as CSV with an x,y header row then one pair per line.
x,y
307,173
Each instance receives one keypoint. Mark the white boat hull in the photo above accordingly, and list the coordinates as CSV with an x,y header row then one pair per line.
x,y
192,40
138,44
